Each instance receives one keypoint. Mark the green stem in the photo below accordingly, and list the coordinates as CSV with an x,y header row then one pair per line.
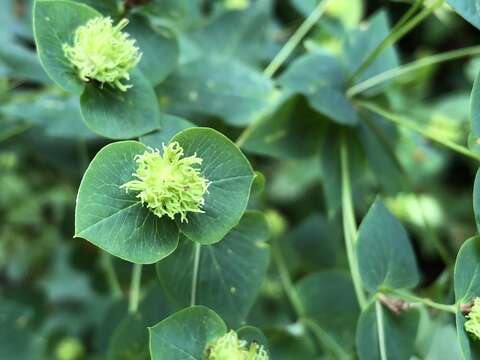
x,y
196,264
135,288
395,35
285,279
349,225
110,275
326,340
413,66
424,301
381,331
295,39
401,121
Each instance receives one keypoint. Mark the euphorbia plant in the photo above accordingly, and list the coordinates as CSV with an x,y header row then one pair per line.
x,y
179,99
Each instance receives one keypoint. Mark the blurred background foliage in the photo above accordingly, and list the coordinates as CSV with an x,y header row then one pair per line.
x,y
54,299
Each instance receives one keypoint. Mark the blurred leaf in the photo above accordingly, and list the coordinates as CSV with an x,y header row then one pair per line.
x,y
58,115
158,46
474,136
238,35
467,266
217,87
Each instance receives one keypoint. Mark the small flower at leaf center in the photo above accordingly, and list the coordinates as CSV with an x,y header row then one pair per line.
x,y
102,52
169,184
230,347
472,325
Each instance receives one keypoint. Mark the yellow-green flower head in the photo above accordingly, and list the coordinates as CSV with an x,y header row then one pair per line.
x,y
102,52
169,184
230,347
472,325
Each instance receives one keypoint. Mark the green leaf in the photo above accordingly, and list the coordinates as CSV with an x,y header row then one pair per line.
x,y
468,9
129,341
385,255
328,298
229,273
467,271
118,115
158,46
379,139
378,327
185,334
239,35
178,13
313,70
231,178
474,135
114,220
21,63
48,111
292,130
106,7
54,24
169,126
17,339
217,87
362,41
321,78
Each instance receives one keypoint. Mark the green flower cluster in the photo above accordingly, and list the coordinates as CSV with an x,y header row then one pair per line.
x,y
102,52
472,325
230,347
169,184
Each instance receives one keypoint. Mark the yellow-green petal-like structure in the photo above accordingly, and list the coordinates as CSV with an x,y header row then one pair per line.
x,y
230,347
472,325
102,52
169,183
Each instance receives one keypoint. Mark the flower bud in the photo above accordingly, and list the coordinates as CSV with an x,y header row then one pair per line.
x,y
472,325
102,52
169,184
230,347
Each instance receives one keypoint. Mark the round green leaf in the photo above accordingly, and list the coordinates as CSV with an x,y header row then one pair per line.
x,y
385,255
115,221
231,178
399,333
228,274
185,334
118,115
54,24
158,46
